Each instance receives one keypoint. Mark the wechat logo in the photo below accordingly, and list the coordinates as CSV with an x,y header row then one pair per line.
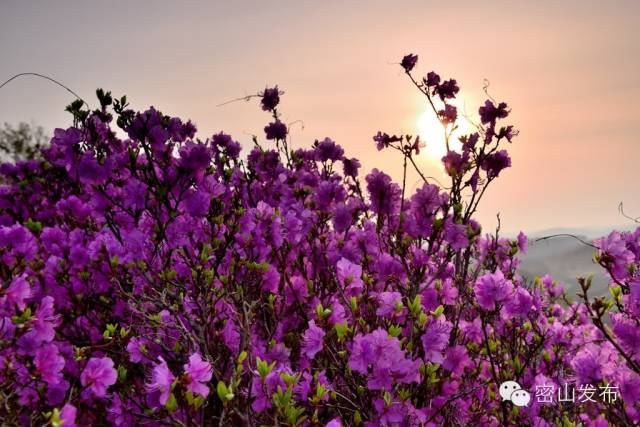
x,y
511,391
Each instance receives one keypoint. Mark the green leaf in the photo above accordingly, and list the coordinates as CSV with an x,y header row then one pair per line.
x,y
122,373
34,226
222,391
438,311
395,330
172,403
341,330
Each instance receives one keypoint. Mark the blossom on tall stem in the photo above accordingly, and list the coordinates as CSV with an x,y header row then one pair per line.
x,y
276,130
198,373
68,415
492,289
49,363
489,113
409,62
270,98
312,340
161,381
98,375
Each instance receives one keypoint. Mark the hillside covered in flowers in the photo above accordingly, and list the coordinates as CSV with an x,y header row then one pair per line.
x,y
162,279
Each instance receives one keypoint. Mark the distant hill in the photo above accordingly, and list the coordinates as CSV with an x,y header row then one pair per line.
x,y
566,258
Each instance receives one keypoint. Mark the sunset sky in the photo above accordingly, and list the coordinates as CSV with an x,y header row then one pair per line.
x,y
569,69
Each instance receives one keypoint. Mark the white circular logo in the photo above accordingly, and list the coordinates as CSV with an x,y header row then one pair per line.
x,y
511,391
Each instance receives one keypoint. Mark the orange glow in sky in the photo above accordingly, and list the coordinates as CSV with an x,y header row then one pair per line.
x,y
570,71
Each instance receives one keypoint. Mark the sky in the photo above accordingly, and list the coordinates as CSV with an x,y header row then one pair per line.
x,y
570,71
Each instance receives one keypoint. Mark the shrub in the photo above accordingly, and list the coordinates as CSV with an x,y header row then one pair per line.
x,y
158,279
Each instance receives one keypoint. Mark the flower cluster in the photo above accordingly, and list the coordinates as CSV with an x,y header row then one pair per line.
x,y
152,278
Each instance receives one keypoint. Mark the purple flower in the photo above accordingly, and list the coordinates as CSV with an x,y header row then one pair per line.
x,y
134,348
18,241
449,114
630,387
350,167
432,79
588,364
489,113
161,380
455,164
507,132
135,193
628,334
387,360
383,140
297,291
384,194
350,276
342,217
424,204
90,171
456,360
270,98
328,192
553,288
44,323
68,415
336,422
99,375
231,336
435,339
312,340
328,150
49,363
387,303
456,235
262,390
409,62
195,157
197,204
276,130
198,373
492,289
270,280
519,304
18,291
522,242
495,163
615,255
224,141
390,414
447,89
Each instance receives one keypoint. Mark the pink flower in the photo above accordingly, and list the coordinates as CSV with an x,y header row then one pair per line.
x,y
134,348
68,415
198,374
161,380
99,375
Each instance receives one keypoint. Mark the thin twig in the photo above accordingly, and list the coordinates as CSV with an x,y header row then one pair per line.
x,y
621,210
584,242
246,98
46,78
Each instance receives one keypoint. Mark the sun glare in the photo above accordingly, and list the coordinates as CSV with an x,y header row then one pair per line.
x,y
432,134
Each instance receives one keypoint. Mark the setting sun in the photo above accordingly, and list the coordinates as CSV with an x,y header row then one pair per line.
x,y
432,134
